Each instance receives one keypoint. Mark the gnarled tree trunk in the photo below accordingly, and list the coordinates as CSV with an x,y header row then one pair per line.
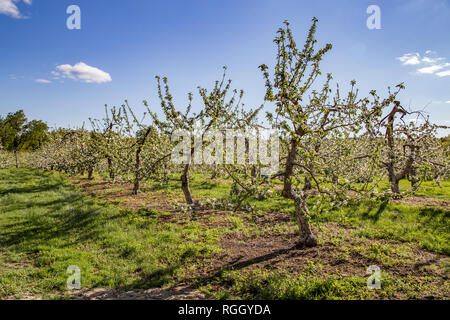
x,y
307,237
137,174
90,173
307,186
214,171
16,153
110,169
185,184
289,170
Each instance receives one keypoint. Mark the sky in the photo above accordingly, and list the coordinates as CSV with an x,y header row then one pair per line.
x,y
65,76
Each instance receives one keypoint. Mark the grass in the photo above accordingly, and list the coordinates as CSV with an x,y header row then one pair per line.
x,y
428,227
425,226
270,285
48,224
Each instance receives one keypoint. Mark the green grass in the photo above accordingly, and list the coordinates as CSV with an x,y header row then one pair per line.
x,y
428,227
203,188
274,285
46,225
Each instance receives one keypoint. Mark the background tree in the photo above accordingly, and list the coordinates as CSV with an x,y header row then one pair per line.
x,y
150,148
219,110
16,134
409,148
106,139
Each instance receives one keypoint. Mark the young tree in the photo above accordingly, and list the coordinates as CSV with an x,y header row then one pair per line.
x,y
218,112
409,148
440,161
107,138
295,73
308,125
148,143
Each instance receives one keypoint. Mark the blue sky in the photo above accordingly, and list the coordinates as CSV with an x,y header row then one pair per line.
x,y
66,76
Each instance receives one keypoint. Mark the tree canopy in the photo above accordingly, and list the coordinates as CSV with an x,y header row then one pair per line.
x,y
17,134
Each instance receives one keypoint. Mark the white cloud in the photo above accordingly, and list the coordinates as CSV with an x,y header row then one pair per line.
x,y
447,101
42,81
430,63
410,58
443,73
81,72
431,60
429,70
433,68
9,8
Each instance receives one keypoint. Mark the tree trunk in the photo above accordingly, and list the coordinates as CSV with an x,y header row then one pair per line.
x,y
413,179
137,177
253,173
110,169
16,153
438,181
393,177
395,187
290,160
165,174
90,173
141,143
308,185
214,171
185,184
335,179
393,181
307,237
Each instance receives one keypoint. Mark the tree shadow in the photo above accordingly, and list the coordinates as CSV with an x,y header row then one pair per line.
x,y
31,189
238,264
82,224
376,216
435,215
70,215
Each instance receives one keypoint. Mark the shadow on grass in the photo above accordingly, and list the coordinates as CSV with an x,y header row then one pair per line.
x,y
436,217
41,217
376,216
31,189
75,222
238,264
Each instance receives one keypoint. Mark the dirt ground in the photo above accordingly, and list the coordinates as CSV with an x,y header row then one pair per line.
x,y
425,202
182,292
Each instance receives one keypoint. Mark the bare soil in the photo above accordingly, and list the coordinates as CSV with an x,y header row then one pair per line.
x,y
182,292
425,202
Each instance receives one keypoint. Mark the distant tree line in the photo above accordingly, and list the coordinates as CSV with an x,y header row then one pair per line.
x,y
19,134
